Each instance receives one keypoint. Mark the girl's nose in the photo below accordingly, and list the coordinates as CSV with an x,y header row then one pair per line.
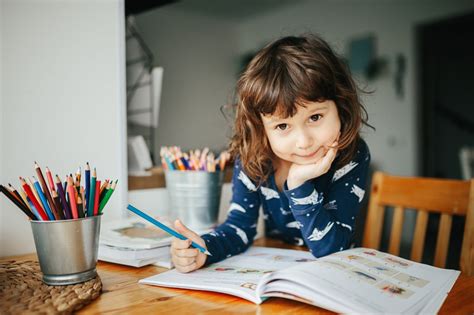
x,y
304,141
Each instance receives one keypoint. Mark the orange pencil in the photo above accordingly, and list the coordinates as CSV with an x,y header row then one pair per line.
x,y
104,184
71,191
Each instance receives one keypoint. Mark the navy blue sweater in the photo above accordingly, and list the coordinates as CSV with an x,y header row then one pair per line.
x,y
320,213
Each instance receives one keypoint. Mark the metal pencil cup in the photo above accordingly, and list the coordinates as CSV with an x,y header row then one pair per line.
x,y
194,197
67,249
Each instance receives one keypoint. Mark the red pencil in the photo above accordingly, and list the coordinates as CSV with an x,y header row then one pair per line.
x,y
33,199
96,197
50,179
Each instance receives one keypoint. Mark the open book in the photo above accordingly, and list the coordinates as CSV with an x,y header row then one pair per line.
x,y
356,280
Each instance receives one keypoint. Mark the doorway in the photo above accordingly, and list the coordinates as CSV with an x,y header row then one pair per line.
x,y
446,58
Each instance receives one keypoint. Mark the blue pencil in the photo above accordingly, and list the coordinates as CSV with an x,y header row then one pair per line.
x,y
33,209
43,200
165,228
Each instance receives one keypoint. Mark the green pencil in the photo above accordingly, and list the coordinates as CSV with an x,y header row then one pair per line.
x,y
107,196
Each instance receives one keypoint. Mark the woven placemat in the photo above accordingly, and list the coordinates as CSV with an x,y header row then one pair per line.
x,y
23,291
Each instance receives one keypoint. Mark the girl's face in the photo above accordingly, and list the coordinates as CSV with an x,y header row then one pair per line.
x,y
303,138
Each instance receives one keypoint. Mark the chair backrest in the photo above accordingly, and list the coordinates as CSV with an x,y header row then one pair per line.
x,y
444,196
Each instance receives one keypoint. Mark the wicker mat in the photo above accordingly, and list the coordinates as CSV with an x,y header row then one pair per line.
x,y
22,291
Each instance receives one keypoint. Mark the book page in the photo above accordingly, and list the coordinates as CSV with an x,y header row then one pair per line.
x,y
238,275
367,280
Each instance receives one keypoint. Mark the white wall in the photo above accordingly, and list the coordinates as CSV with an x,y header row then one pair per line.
x,y
197,54
63,98
200,55
3,215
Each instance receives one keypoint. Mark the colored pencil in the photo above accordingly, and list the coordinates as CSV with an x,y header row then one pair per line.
x,y
80,209
46,191
29,192
77,181
71,191
90,204
103,186
84,210
25,198
50,179
33,189
87,173
13,199
15,194
96,197
43,200
33,209
109,193
103,191
62,197
165,228
57,203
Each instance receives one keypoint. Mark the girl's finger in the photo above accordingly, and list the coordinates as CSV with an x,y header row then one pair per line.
x,y
184,261
330,156
187,268
180,244
189,252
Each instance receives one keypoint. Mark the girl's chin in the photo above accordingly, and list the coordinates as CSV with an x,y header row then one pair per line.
x,y
305,161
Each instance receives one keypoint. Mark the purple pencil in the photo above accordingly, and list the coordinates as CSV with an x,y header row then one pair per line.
x,y
62,197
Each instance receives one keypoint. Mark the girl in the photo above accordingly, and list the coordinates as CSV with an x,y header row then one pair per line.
x,y
298,155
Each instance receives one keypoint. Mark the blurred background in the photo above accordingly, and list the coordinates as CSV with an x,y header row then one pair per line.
x,y
100,80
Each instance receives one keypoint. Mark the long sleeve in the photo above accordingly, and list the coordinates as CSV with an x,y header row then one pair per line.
x,y
327,215
236,234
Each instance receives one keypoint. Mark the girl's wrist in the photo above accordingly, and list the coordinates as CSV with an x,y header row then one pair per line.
x,y
294,182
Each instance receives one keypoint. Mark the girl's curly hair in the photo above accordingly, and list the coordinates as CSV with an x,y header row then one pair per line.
x,y
283,75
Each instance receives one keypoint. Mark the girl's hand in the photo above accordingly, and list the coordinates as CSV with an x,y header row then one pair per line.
x,y
184,257
299,173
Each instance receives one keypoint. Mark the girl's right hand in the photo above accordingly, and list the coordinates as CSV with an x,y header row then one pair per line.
x,y
184,257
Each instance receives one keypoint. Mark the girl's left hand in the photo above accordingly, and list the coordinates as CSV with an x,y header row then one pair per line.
x,y
299,173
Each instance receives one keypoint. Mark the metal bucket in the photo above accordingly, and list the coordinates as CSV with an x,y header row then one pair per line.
x,y
67,249
194,197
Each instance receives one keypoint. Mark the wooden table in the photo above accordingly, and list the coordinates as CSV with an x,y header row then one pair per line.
x,y
122,294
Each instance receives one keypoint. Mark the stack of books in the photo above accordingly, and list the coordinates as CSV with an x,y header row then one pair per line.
x,y
134,242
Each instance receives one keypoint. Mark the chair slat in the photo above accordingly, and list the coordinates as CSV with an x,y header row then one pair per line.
x,y
443,240
375,214
420,233
467,252
396,233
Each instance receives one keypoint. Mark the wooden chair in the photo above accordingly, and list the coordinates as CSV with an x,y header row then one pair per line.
x,y
447,197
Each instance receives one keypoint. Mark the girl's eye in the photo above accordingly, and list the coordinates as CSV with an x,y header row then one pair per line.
x,y
281,127
316,117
